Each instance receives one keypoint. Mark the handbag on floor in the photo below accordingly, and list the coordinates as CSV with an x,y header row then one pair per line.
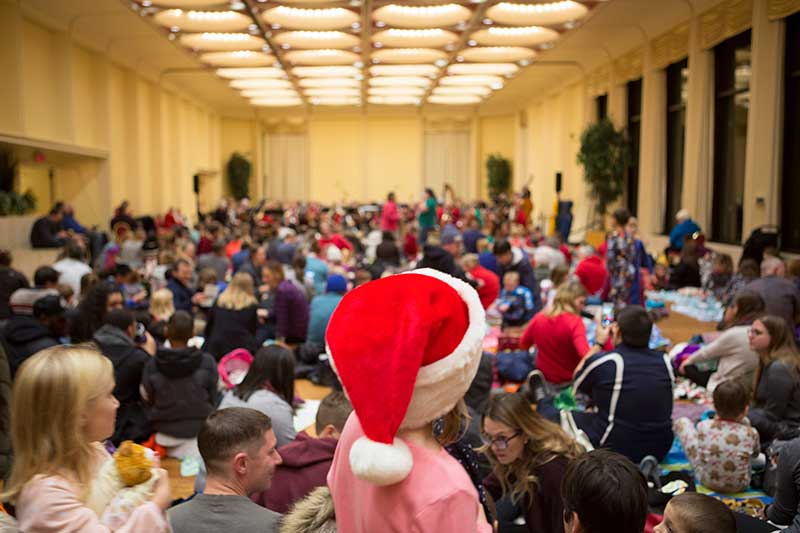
x,y
571,428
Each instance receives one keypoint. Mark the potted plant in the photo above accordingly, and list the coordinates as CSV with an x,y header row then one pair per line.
x,y
604,155
498,170
13,203
239,175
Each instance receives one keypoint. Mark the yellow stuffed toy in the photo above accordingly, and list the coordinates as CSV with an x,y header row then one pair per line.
x,y
123,483
133,465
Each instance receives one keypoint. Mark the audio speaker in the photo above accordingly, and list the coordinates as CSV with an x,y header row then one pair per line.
x,y
197,183
558,182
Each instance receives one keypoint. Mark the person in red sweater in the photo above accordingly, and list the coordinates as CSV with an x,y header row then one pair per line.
x,y
326,237
488,282
390,216
560,336
410,248
306,460
591,270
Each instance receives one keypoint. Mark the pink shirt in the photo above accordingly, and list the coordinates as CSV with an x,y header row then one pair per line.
x,y
389,217
52,504
436,496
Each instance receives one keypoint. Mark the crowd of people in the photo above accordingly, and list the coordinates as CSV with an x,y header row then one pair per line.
x,y
126,337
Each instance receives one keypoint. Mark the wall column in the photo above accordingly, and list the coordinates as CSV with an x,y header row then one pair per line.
x,y
698,169
653,153
764,122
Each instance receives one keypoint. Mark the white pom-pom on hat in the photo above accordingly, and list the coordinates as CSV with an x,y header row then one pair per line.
x,y
380,464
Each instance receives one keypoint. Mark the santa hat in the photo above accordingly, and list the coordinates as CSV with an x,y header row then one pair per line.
x,y
406,349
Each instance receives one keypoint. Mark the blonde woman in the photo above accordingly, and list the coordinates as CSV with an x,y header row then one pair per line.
x,y
161,309
529,456
233,320
560,335
62,409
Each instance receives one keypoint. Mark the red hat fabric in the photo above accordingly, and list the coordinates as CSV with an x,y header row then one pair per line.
x,y
406,348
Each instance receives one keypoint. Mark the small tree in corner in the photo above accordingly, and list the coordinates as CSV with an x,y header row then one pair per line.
x,y
239,175
498,170
604,155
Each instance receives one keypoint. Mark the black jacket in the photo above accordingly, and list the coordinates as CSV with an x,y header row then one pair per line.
x,y
43,234
6,454
10,280
128,360
440,259
181,387
229,329
24,336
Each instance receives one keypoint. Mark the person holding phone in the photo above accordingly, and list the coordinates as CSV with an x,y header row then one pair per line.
x,y
129,348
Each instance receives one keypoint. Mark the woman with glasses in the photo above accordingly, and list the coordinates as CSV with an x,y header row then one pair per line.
x,y
776,402
529,456
736,360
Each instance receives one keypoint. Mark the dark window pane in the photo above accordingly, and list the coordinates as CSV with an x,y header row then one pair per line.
x,y
602,107
677,82
732,91
634,135
790,197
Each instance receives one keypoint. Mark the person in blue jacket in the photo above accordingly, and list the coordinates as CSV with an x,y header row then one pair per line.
x,y
685,227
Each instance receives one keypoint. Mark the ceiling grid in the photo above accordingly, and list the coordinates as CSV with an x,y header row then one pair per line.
x,y
290,53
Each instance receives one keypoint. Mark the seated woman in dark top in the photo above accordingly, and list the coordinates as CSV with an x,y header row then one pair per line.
x,y
785,509
529,456
233,320
687,272
776,403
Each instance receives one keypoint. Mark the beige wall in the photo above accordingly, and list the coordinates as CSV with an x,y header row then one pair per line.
x,y
497,135
556,119
123,136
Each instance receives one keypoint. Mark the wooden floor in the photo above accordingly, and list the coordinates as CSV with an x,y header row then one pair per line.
x,y
677,328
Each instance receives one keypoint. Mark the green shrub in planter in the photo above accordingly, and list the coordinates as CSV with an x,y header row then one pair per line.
x,y
239,175
13,203
498,170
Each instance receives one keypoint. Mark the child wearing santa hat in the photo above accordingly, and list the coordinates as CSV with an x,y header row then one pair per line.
x,y
405,348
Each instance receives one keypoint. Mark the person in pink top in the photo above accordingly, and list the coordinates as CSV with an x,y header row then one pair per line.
x,y
406,349
560,336
62,409
390,216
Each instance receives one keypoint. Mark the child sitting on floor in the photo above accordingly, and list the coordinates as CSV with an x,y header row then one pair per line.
x,y
720,449
515,302
692,512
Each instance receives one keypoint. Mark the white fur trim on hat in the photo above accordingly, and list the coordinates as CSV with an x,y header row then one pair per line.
x,y
440,385
378,463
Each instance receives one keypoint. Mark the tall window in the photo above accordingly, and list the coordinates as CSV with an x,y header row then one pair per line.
x,y
602,107
677,81
634,135
732,91
790,199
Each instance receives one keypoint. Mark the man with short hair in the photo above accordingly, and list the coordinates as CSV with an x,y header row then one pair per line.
x,y
10,281
780,294
631,388
118,341
216,260
180,284
684,227
238,447
45,281
25,335
72,268
47,232
306,460
603,492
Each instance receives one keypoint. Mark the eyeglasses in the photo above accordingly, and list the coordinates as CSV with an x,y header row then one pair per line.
x,y
501,443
